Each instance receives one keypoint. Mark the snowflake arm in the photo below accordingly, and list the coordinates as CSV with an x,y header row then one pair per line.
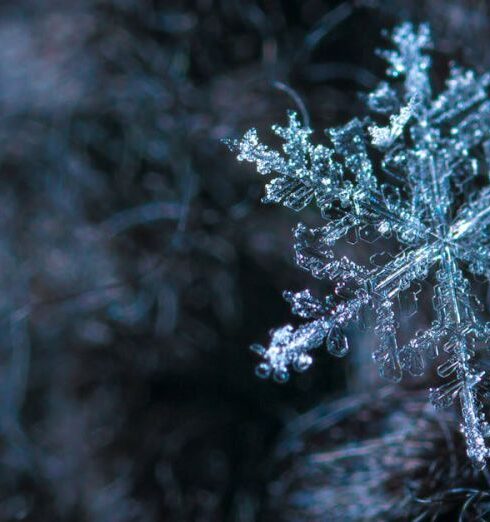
x,y
409,60
306,172
452,304
380,287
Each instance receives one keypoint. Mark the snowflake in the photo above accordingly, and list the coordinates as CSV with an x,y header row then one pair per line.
x,y
431,154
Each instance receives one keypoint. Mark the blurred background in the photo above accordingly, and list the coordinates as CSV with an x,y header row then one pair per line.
x,y
137,265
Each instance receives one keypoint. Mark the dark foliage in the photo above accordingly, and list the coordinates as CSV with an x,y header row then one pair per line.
x,y
381,456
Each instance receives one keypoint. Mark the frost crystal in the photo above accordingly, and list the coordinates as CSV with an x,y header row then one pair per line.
x,y
430,154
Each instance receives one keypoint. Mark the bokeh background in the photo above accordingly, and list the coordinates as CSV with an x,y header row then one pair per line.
x,y
137,265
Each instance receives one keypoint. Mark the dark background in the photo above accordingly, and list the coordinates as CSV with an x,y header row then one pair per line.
x,y
136,261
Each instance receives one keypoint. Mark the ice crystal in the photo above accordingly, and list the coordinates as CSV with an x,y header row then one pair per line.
x,y
429,154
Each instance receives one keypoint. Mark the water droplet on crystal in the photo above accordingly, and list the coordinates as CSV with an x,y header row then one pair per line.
x,y
302,363
391,371
281,376
337,343
416,365
263,370
387,359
